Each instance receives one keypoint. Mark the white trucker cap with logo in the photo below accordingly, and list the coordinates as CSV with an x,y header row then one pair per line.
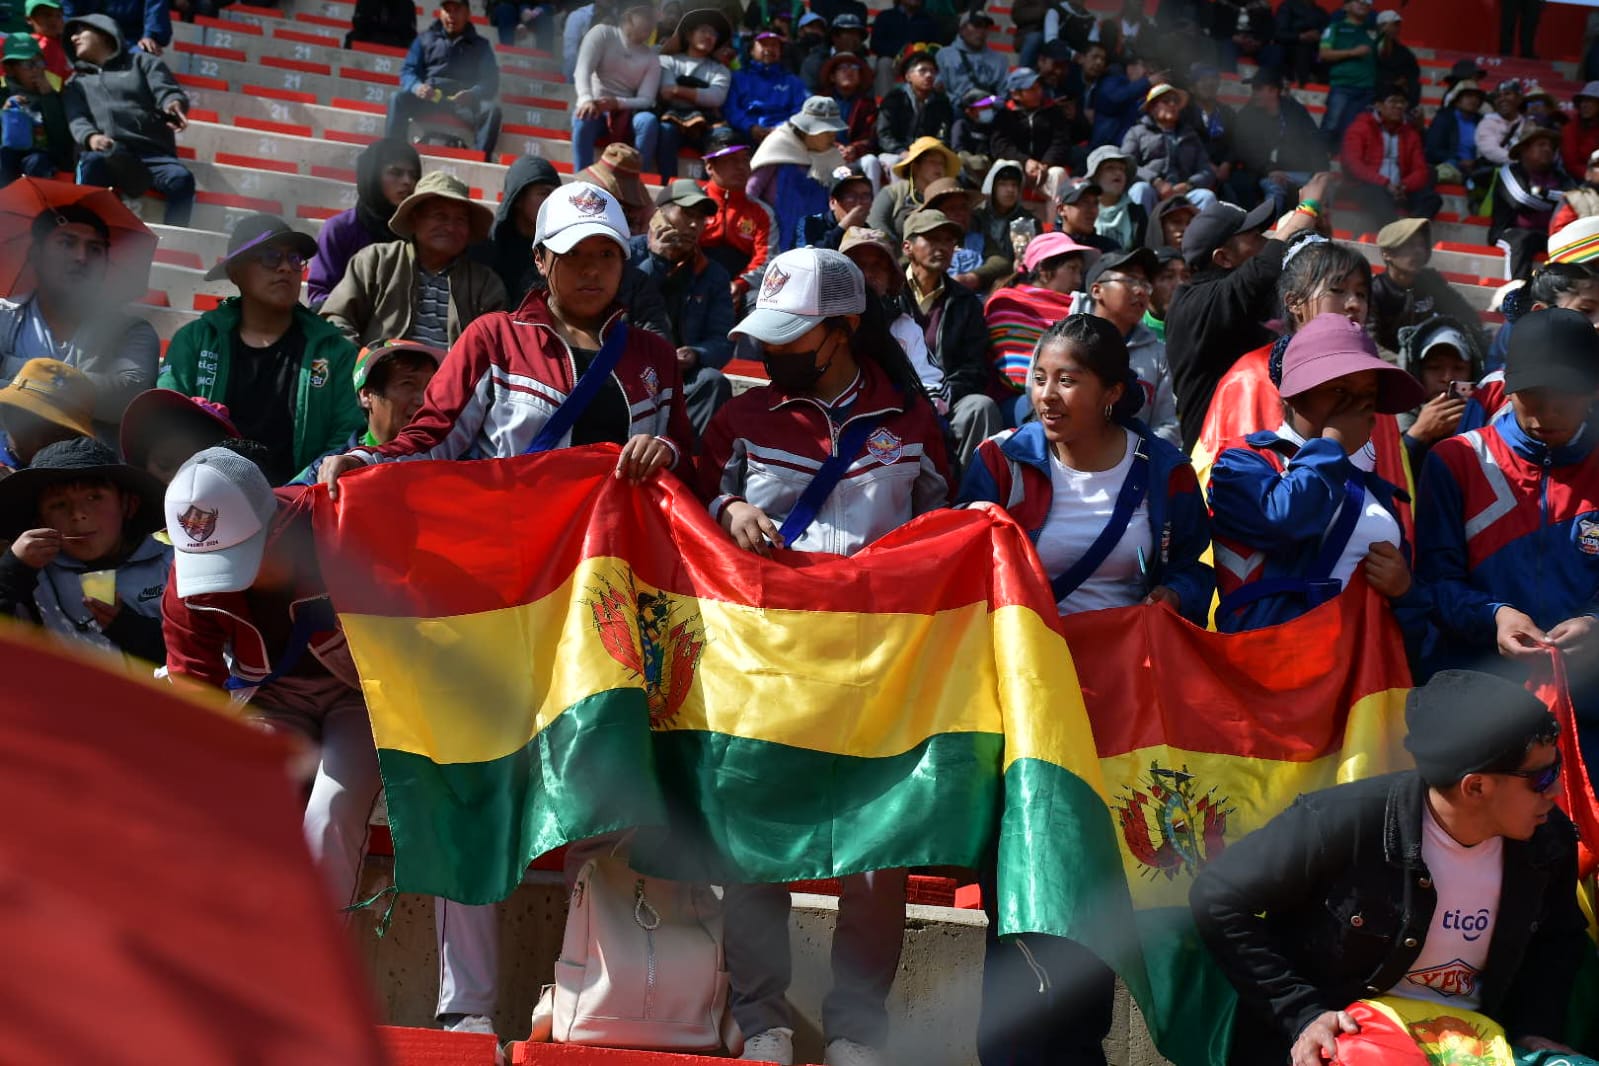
x,y
219,508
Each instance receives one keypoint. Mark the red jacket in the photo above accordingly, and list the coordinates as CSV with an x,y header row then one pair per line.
x,y
1362,154
1577,142
743,224
202,631
508,372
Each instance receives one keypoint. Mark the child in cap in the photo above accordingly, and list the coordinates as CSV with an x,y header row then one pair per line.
x,y
37,141
48,401
1295,514
49,26
1445,356
839,381
83,564
164,428
391,379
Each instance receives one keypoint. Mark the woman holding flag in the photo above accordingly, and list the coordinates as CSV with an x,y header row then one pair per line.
x,y
840,448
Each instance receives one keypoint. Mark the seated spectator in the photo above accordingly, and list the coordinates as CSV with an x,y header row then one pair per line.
x,y
510,17
1027,30
1540,108
1579,139
391,378
1121,218
48,27
1499,129
616,82
422,287
1471,830
146,23
1276,496
82,564
450,75
1074,465
1276,141
1119,285
386,172
1529,189
387,22
1047,289
1109,96
972,135
1445,357
1077,214
1385,170
915,109
968,63
1003,213
1185,27
699,296
793,168
163,429
1580,201
1451,145
1171,273
894,29
46,402
926,161
1396,64
1071,22
764,94
742,235
1129,36
845,77
951,319
846,37
1032,129
122,108
1299,26
1408,291
1169,223
1348,49
1247,31
283,373
509,249
694,84
849,200
70,316
1168,158
26,89
879,265
620,171
809,38
976,261
1214,121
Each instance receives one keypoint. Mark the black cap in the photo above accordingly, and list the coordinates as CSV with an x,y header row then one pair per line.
x,y
1461,721
1142,258
1266,75
1220,223
843,175
1465,70
847,20
1556,348
255,231
1071,193
1166,254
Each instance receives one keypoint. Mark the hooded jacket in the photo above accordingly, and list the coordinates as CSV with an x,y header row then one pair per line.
x,y
364,224
52,597
1151,232
136,19
1176,156
377,298
1013,471
122,98
506,251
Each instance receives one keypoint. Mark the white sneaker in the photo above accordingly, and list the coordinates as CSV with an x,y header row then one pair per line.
x,y
843,1052
774,1045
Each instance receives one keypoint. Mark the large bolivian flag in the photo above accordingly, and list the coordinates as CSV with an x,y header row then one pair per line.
x,y
549,653
1203,737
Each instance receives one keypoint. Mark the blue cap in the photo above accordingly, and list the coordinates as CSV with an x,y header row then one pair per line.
x,y
1021,78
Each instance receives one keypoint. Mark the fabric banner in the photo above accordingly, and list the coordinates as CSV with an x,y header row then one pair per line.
x,y
1395,1031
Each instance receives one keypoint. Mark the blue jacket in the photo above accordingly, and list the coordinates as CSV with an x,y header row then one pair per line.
x,y
136,19
1444,143
763,94
1271,517
705,316
452,64
1012,470
1114,101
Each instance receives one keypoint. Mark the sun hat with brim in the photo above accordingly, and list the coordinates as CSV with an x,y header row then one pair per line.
x,y
155,410
819,114
20,47
1394,234
929,220
1577,242
1533,133
801,289
1105,153
441,186
1464,88
79,459
1538,92
949,187
842,59
219,510
1330,346
1589,91
255,233
920,147
1047,246
1160,92
1142,258
375,355
857,239
704,16
577,211
54,391
1556,348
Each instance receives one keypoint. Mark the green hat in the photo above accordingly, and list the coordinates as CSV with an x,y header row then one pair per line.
x,y
374,354
21,46
34,5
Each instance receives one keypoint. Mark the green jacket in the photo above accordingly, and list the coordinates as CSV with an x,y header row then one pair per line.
x,y
326,411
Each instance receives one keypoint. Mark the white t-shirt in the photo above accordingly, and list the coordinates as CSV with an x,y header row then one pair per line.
x,y
1081,508
1376,524
1449,968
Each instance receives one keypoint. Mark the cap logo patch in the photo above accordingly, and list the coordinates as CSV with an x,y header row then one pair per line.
x,y
884,446
1588,536
198,524
588,202
775,280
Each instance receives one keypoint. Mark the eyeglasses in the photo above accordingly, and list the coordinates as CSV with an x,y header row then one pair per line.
x,y
1133,284
275,258
1543,778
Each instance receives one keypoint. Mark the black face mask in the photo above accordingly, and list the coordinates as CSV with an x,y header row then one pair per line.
x,y
796,372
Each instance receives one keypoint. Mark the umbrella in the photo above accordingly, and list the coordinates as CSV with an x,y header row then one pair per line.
x,y
132,243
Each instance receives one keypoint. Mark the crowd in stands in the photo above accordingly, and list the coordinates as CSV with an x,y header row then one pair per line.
x,y
1069,282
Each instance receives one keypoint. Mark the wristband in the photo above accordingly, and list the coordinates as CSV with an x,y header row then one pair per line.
x,y
1313,205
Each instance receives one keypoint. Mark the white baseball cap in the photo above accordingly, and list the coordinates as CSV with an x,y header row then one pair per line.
x,y
219,508
578,210
801,289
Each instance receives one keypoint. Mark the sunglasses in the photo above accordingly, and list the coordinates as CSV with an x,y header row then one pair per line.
x,y
275,258
1541,779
